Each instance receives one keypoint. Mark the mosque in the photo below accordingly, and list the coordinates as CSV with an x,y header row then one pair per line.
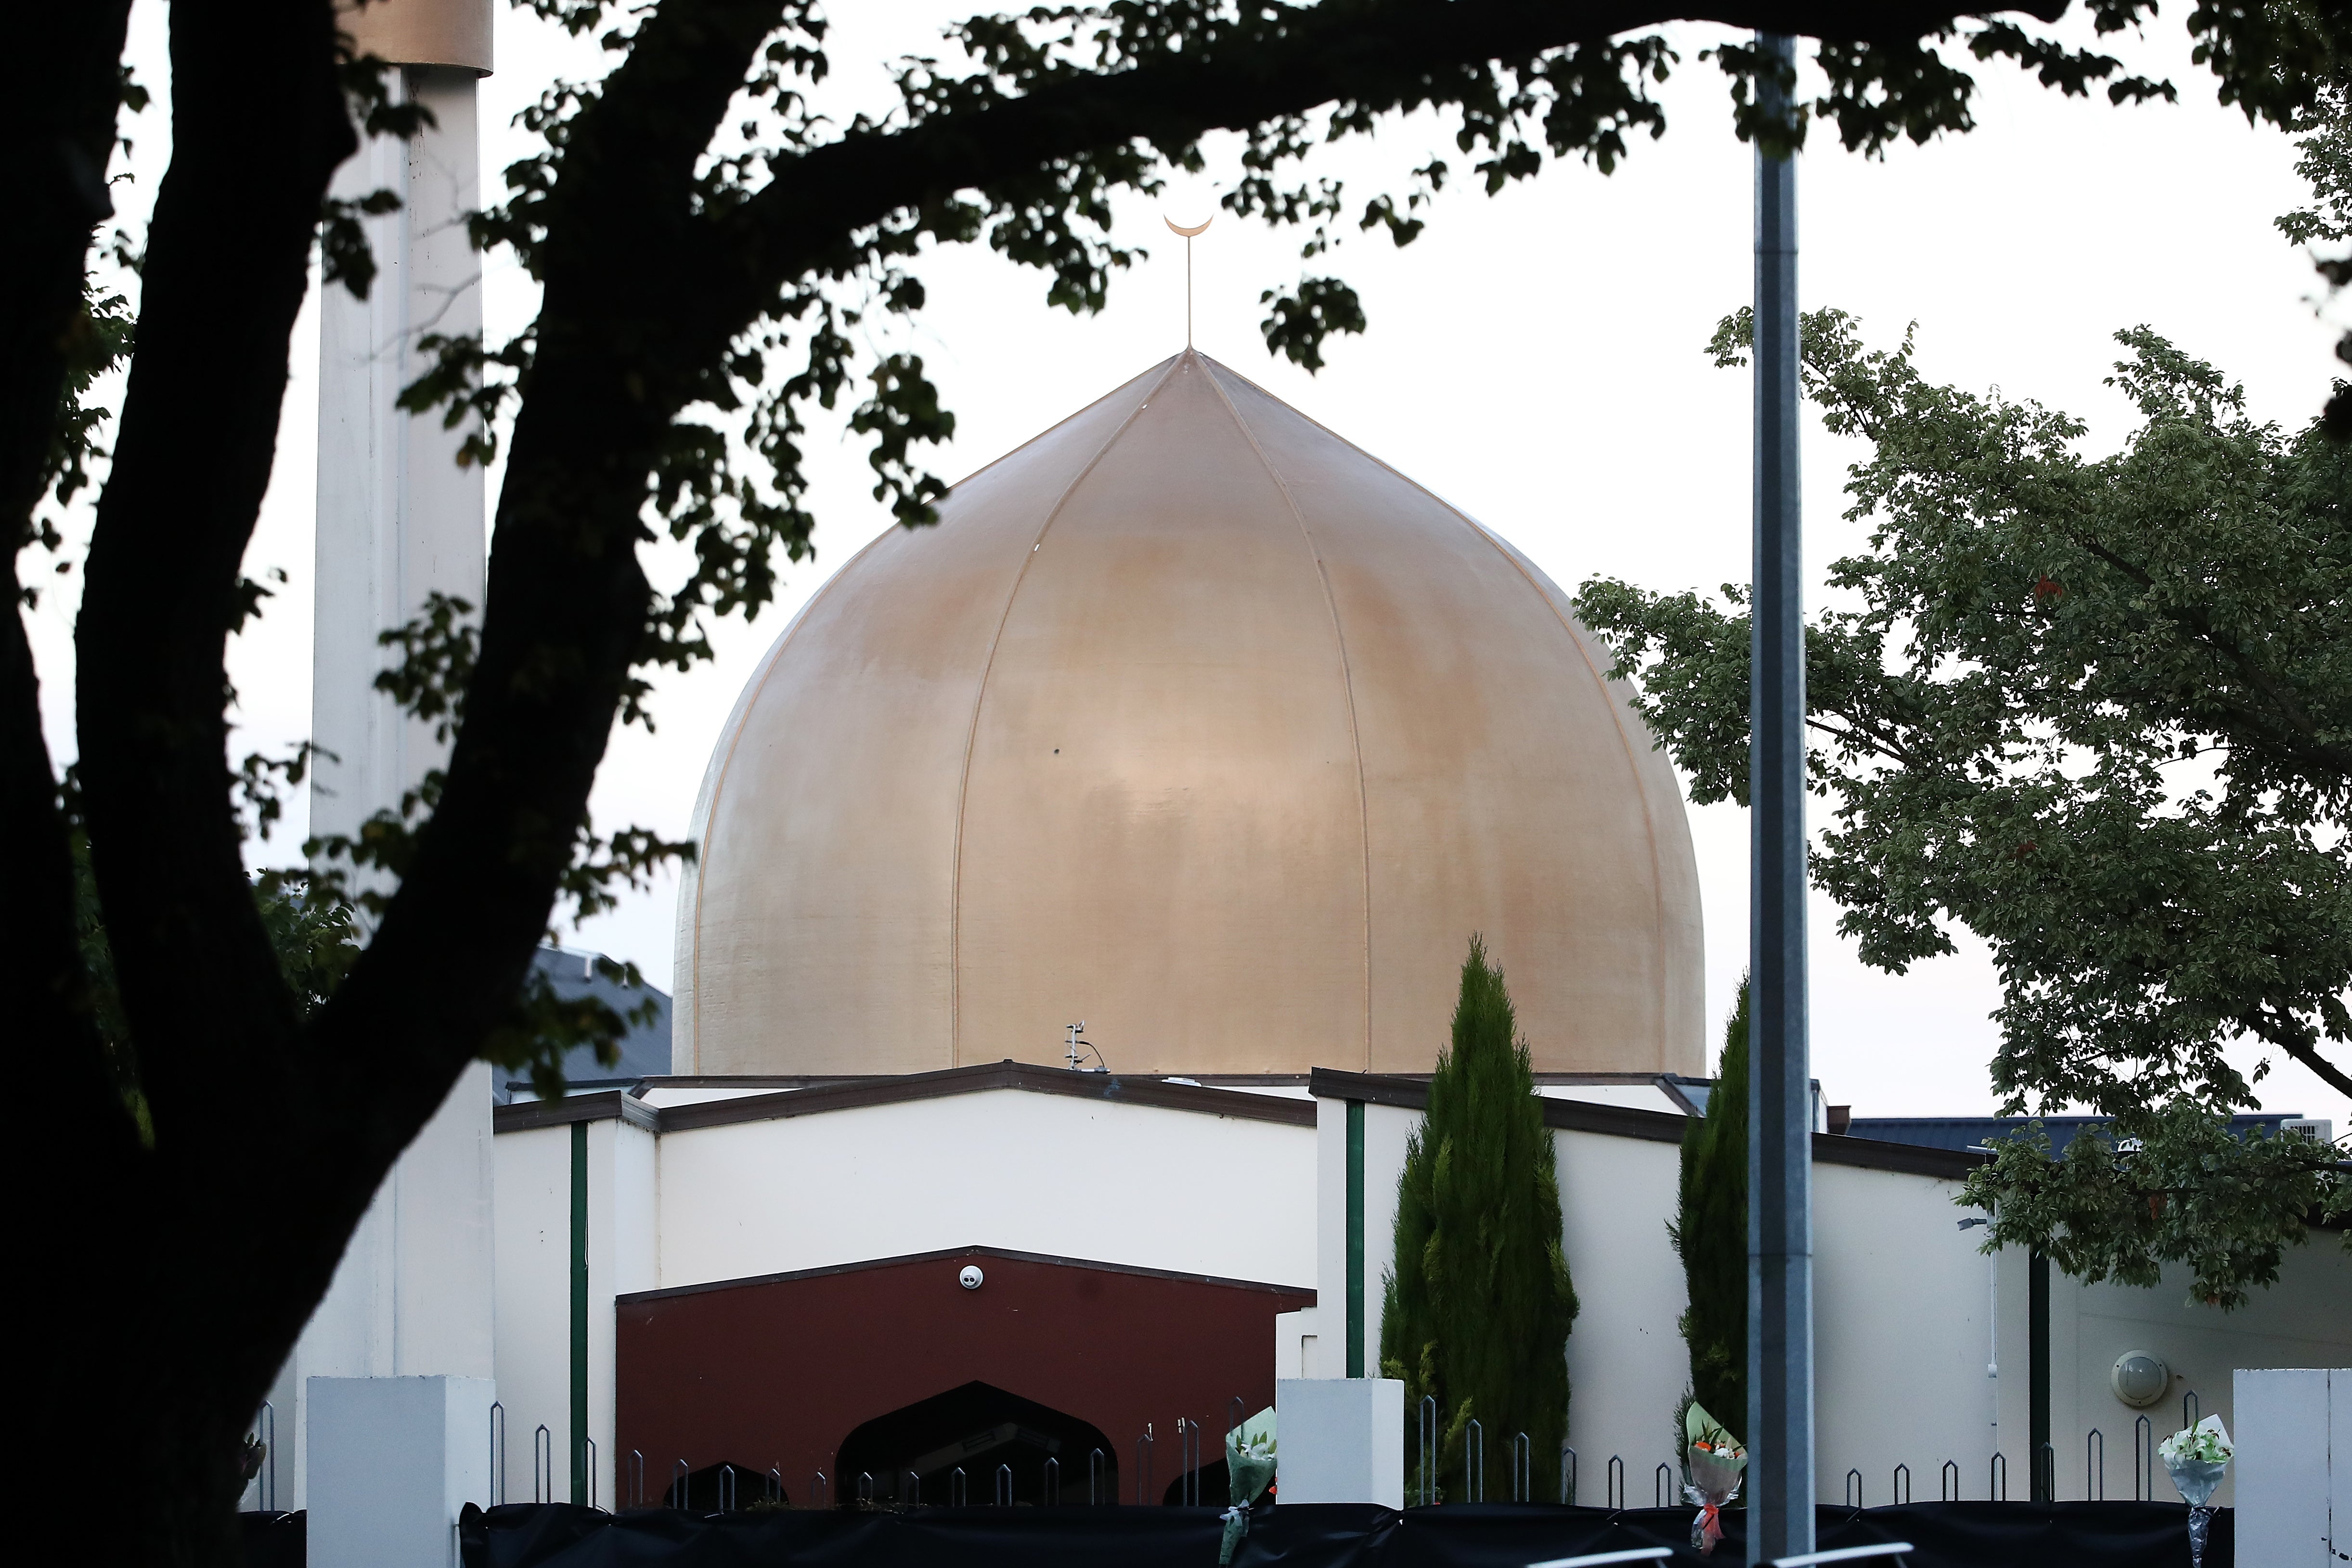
x,y
1047,858
1081,890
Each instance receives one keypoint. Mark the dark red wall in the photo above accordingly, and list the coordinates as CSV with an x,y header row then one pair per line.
x,y
779,1370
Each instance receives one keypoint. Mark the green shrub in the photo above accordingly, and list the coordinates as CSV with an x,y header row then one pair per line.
x,y
1477,1308
1710,1233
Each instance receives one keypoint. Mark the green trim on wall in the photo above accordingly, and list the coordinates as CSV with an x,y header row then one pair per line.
x,y
1355,1238
579,1311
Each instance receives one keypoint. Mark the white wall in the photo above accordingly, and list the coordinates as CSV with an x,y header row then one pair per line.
x,y
660,1095
624,1255
1299,1345
1634,1096
1901,1339
534,1297
534,1293
412,1294
1626,1362
2305,1320
1902,1329
1036,1173
1902,1301
1120,1184
1386,1132
1616,1197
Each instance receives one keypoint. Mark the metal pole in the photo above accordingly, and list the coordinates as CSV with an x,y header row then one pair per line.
x,y
1781,1118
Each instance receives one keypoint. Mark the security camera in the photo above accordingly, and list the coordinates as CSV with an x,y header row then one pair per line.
x,y
971,1277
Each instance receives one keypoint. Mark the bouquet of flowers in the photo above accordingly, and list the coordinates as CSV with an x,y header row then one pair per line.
x,y
1713,1462
2196,1457
1249,1471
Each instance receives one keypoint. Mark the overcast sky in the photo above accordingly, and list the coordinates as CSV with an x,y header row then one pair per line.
x,y
1535,358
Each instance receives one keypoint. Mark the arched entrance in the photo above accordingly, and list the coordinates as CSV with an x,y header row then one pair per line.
x,y
774,1371
999,1441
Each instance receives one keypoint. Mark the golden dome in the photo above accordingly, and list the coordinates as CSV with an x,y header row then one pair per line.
x,y
1194,722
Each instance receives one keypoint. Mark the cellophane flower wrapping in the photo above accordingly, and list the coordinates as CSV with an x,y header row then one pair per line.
x,y
1249,1471
2197,1457
1714,1463
2206,1443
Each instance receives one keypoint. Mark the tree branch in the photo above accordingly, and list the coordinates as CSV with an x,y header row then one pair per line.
x,y
2300,741
2297,1042
622,336
258,124
1379,53
61,91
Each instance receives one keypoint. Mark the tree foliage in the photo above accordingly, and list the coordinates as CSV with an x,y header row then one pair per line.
x,y
2097,710
1709,1232
1477,1307
717,261
2326,225
2186,1191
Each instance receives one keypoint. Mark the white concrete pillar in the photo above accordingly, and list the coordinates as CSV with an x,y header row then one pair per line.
x,y
1339,1440
391,1461
1298,1344
398,521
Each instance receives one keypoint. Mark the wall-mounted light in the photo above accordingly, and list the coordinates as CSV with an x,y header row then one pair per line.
x,y
2140,1379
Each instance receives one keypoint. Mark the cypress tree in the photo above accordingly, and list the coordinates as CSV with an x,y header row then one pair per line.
x,y
1477,1306
1710,1232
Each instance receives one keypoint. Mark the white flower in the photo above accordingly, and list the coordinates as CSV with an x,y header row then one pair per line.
x,y
2206,1443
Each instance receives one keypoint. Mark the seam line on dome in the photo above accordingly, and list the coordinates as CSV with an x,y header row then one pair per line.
x,y
1632,764
736,720
979,698
1649,819
1080,412
1347,685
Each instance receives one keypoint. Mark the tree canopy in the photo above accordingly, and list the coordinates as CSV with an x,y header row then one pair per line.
x,y
706,245
2095,710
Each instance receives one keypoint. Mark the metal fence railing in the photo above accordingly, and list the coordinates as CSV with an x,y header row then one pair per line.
x,y
1458,1454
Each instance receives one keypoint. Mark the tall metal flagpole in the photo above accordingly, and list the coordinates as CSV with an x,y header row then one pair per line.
x,y
1781,1111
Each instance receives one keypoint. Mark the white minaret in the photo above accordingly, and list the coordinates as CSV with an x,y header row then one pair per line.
x,y
401,1344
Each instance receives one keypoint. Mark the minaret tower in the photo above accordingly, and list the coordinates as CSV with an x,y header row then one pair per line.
x,y
398,1356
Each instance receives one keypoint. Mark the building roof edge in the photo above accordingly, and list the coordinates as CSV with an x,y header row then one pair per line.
x,y
1652,1126
946,1254
1123,1089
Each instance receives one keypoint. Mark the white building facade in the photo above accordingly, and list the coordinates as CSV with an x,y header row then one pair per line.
x,y
1925,1345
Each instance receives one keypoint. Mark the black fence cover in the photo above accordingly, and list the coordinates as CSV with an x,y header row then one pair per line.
x,y
1307,1536
272,1540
